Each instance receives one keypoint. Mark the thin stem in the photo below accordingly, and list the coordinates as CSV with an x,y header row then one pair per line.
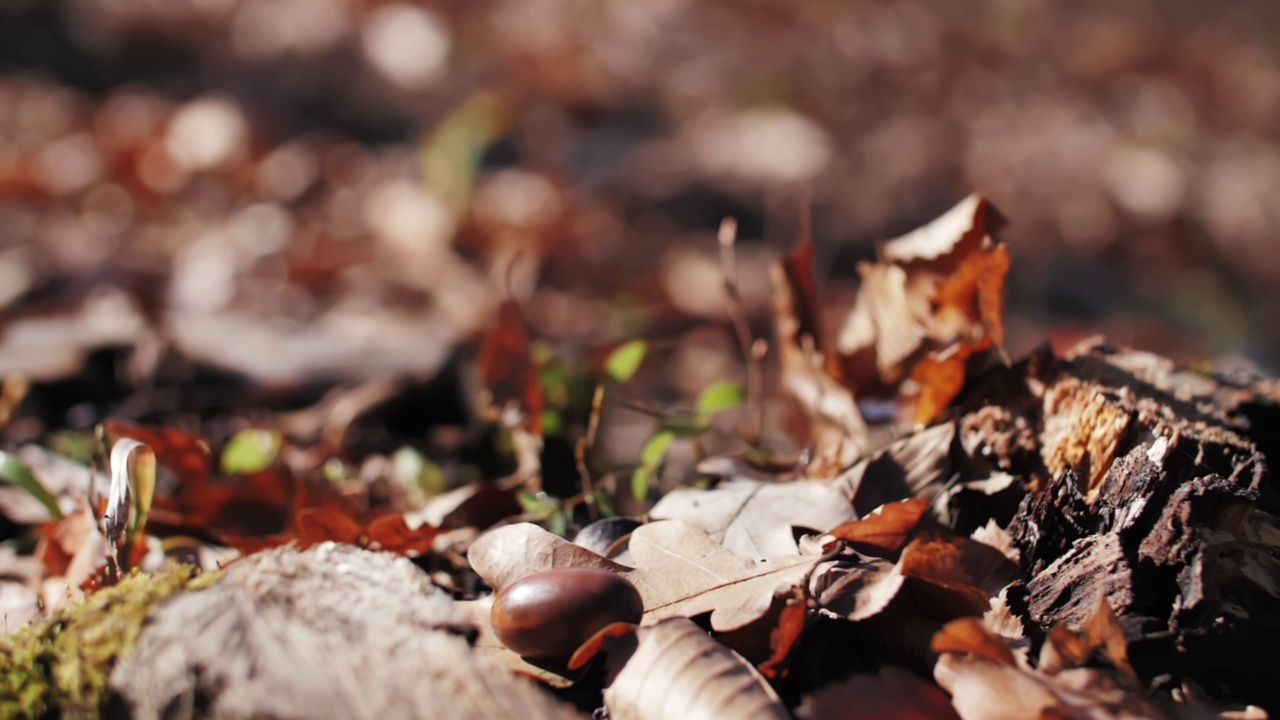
x,y
728,236
586,444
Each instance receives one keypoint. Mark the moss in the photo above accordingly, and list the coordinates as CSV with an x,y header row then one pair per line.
x,y
62,664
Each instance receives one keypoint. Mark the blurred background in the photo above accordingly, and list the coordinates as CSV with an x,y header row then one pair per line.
x,y
301,191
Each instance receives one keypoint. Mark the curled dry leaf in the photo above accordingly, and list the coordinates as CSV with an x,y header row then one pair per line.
x,y
1100,635
986,679
932,300
754,519
982,689
678,671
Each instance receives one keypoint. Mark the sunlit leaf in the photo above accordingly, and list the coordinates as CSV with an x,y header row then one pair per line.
x,y
250,450
641,478
451,153
656,449
13,472
721,396
625,360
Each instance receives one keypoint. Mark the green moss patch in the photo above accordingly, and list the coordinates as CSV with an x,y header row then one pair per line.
x,y
62,664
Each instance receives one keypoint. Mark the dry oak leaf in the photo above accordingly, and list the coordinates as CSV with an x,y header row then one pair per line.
x,y
679,570
678,671
755,519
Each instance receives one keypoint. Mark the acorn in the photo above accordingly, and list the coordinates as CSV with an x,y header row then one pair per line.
x,y
549,615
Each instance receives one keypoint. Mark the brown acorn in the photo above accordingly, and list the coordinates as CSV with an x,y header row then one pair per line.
x,y
550,614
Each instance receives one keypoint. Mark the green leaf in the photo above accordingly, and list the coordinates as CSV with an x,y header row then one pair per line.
x,y
249,451
450,155
540,505
721,396
640,480
686,426
625,360
604,503
558,522
552,423
13,472
655,450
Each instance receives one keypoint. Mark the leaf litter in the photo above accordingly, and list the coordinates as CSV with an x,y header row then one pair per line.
x,y
954,561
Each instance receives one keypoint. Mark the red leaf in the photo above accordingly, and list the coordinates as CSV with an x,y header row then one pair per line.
x,y
390,533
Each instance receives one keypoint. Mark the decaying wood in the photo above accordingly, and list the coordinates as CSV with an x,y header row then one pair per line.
x,y
1148,487
332,632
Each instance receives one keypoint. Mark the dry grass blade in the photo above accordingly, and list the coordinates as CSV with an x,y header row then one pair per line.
x,y
678,671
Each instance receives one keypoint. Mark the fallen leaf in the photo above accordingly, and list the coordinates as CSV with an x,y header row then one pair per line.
x,y
931,301
886,530
969,636
755,519
677,670
983,689
1100,635
786,634
862,590
917,465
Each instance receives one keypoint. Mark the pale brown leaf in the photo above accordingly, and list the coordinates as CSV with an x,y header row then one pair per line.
x,y
678,671
755,519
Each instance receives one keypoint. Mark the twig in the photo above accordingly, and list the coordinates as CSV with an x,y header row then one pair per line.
x,y
584,445
728,236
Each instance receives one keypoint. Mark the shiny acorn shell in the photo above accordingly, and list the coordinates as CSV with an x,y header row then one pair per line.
x,y
549,614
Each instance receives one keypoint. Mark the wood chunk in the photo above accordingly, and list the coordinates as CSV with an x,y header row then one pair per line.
x,y
1155,495
1068,590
